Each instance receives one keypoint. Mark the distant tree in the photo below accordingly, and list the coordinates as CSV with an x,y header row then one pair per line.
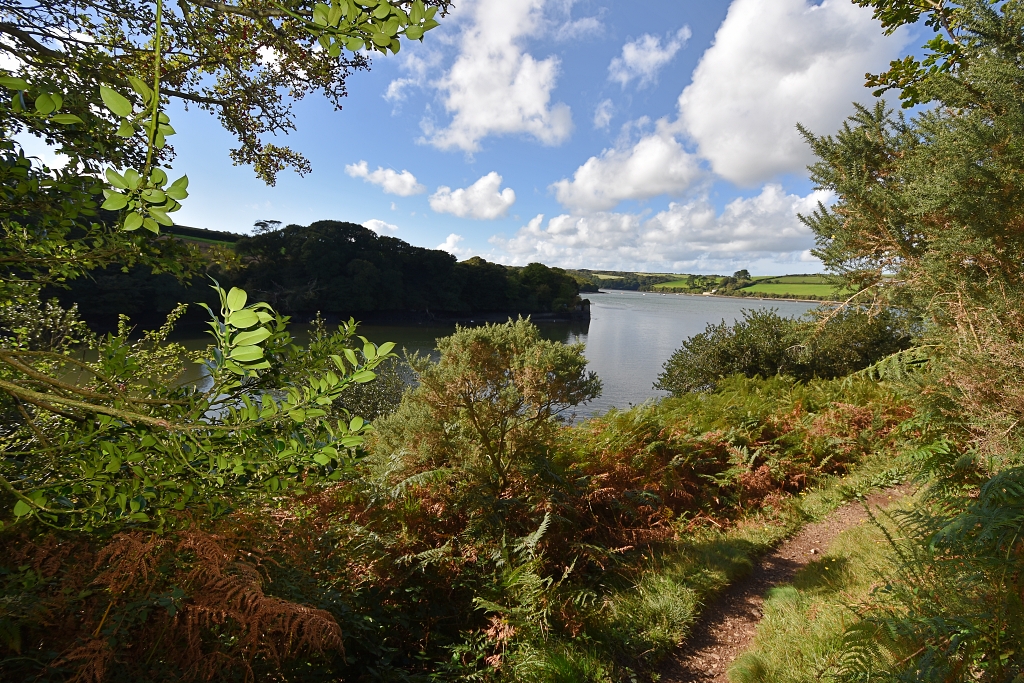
x,y
742,274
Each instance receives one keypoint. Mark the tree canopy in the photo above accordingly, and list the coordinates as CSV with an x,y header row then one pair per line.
x,y
245,61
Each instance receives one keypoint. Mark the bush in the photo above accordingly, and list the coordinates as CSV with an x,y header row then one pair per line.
x,y
765,344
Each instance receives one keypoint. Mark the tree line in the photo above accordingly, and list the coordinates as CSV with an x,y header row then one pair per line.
x,y
332,267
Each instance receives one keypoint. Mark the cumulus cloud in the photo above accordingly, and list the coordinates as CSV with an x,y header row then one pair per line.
x,y
644,57
494,87
656,164
773,64
686,236
380,227
603,114
451,245
401,183
483,199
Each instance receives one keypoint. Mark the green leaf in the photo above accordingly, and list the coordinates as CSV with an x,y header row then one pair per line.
x,y
417,13
115,201
414,33
125,130
380,39
45,104
320,14
356,424
243,319
355,44
246,354
351,356
364,376
13,83
132,177
322,459
21,508
114,465
382,11
115,101
158,176
385,348
236,299
151,225
65,119
335,14
142,88
299,415
369,351
116,179
390,27
250,338
154,196
160,216
133,221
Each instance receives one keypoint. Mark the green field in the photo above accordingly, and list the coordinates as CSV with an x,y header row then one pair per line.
x,y
794,289
682,284
796,279
806,285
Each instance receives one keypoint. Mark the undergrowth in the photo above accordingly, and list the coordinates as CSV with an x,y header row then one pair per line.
x,y
590,563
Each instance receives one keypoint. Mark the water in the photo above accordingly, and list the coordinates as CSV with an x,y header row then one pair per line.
x,y
628,339
632,334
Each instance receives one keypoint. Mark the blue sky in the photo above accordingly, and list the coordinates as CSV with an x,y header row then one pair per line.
x,y
654,136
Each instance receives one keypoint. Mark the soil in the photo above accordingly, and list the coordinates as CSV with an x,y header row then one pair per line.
x,y
728,625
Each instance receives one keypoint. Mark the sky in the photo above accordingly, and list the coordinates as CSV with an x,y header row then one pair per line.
x,y
656,136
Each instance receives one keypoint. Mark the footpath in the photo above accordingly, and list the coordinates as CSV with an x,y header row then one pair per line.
x,y
728,624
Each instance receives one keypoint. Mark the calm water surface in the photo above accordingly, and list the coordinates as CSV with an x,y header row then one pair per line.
x,y
628,339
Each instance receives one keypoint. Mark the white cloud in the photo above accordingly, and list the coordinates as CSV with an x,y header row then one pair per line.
x,y
773,64
403,184
494,87
644,57
483,199
46,154
380,227
656,164
685,237
419,64
603,114
451,245
579,28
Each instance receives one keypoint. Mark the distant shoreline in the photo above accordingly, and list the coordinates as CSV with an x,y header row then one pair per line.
x,y
721,296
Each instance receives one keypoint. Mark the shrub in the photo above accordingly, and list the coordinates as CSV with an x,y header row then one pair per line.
x,y
765,344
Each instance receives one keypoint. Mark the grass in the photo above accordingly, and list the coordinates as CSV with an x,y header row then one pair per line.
x,y
800,637
651,609
797,279
792,289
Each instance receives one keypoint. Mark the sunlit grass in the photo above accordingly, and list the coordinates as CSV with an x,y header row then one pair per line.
x,y
800,636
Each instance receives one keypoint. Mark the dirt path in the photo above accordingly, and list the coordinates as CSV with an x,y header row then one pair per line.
x,y
728,625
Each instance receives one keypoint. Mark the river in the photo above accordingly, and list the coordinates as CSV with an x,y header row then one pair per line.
x,y
628,339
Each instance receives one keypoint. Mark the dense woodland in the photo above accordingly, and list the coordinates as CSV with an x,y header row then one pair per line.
x,y
330,267
299,516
